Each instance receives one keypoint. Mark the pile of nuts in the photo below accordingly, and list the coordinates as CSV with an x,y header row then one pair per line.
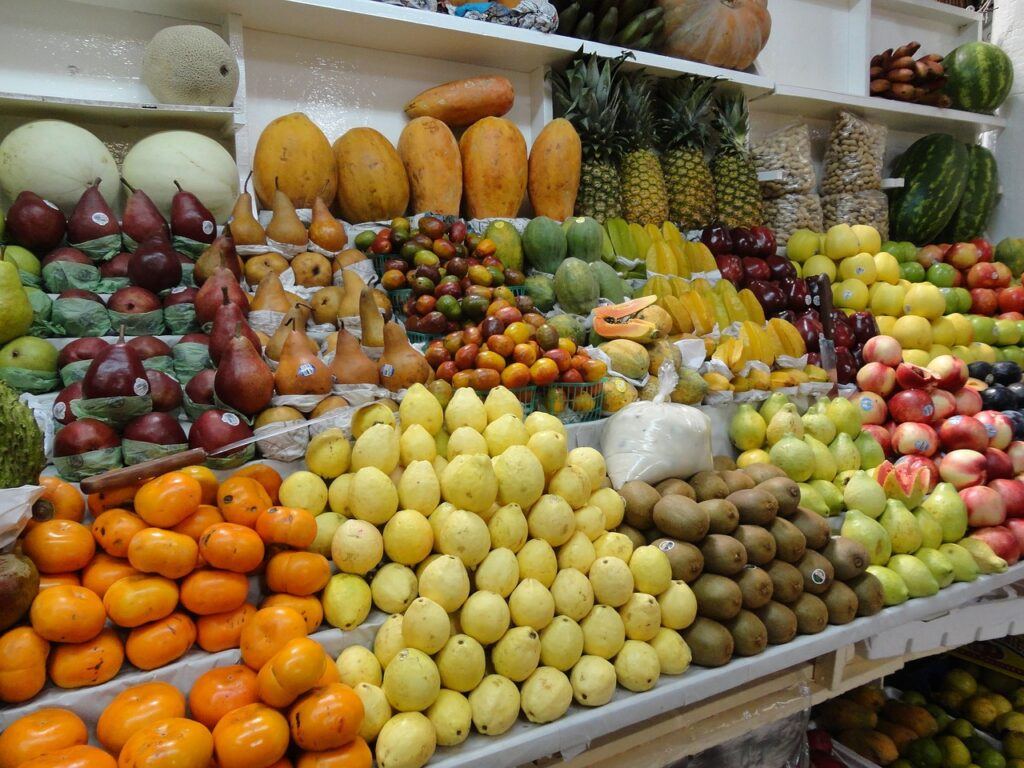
x,y
896,75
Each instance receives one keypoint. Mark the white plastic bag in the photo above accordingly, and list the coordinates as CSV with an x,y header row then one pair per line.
x,y
653,441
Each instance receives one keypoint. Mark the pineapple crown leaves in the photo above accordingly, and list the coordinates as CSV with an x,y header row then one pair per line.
x,y
732,122
684,112
587,93
637,115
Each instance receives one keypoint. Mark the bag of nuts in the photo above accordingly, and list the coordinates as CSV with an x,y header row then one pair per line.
x,y
854,157
787,150
869,206
801,210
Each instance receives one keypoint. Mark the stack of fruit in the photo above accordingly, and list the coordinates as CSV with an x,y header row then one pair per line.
x,y
896,75
635,25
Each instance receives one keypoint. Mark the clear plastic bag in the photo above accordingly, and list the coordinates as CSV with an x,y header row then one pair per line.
x,y
790,212
854,157
869,206
782,744
787,150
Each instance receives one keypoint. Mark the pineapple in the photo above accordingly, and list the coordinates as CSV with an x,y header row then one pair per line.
x,y
644,197
737,192
684,116
587,94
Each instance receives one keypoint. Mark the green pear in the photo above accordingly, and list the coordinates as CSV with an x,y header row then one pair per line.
x,y
813,500
830,494
15,309
864,493
902,527
915,574
31,353
871,453
946,506
22,258
747,429
770,406
870,533
986,560
794,457
785,423
824,463
893,587
964,567
940,565
845,453
931,530
845,416
818,425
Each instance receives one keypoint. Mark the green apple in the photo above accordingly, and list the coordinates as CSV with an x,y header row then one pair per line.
x,y
31,353
984,329
1007,333
1014,355
942,275
1020,324
912,271
964,299
22,258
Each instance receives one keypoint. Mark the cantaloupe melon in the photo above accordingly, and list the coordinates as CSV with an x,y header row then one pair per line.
x,y
190,64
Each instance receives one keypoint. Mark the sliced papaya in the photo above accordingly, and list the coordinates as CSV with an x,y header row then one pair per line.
x,y
625,309
619,321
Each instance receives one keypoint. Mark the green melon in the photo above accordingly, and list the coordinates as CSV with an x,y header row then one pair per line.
x,y
544,244
584,238
509,245
978,76
576,287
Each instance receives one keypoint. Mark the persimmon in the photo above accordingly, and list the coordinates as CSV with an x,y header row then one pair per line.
x,y
113,529
194,525
292,671
207,481
355,754
298,573
242,499
67,614
59,546
289,526
133,709
267,632
167,500
22,665
310,608
114,497
160,642
79,756
103,571
265,475
77,665
209,591
47,580
253,736
39,733
68,502
231,547
220,631
220,691
170,554
177,742
326,718
137,600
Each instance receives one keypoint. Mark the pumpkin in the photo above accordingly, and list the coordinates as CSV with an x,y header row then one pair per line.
x,y
293,154
723,33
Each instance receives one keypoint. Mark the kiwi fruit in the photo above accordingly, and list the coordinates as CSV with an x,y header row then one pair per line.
x,y
685,559
841,602
640,499
673,487
631,533
785,491
779,621
813,526
736,480
817,572
761,472
755,586
748,634
708,485
723,555
710,643
869,593
849,557
723,463
758,542
722,515
718,598
681,518
790,543
755,507
811,614
787,581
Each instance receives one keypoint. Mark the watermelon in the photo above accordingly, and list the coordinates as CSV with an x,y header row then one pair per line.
x,y
576,287
934,171
979,198
1010,252
544,244
978,76
584,237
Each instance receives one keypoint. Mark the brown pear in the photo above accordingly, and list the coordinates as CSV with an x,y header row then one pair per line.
x,y
347,258
270,295
296,317
350,364
228,323
383,303
325,304
330,343
243,381
211,296
329,403
245,227
400,365
300,371
285,225
325,230
371,320
312,270
219,254
259,266
353,286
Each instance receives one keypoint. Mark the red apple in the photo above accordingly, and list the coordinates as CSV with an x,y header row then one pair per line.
x,y
984,248
755,268
1012,299
912,405
950,372
1010,316
883,349
910,376
999,427
1003,274
877,378
997,464
963,432
984,506
1012,494
881,435
157,427
1016,526
945,405
873,409
968,401
1002,542
62,404
963,468
80,349
1016,453
133,300
84,435
984,301
930,254
989,275
149,346
913,439
216,428
731,268
963,256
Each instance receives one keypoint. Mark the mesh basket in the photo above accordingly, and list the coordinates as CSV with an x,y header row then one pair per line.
x,y
573,403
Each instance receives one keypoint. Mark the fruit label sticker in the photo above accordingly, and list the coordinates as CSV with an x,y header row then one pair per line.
x,y
922,446
818,576
991,429
866,404
100,219
60,410
847,294
928,410
387,370
230,419
859,271
667,546
208,227
140,387
306,369
179,289
51,205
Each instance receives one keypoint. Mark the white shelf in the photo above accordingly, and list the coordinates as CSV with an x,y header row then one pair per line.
x,y
930,10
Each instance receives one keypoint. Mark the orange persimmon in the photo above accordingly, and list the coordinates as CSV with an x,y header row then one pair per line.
x,y
47,580
231,547
133,709
253,736
290,526
68,502
220,691
207,481
326,718
167,500
160,642
298,573
114,528
114,497
39,733
355,754
176,741
136,600
67,614
103,571
77,665
23,656
310,608
242,499
292,671
170,554
59,546
210,591
265,475
195,524
78,756
220,631
267,632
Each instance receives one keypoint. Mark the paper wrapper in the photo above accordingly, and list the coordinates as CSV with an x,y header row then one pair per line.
x,y
15,512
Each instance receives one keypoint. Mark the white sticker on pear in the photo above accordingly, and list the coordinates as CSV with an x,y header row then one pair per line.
x,y
306,369
100,219
207,227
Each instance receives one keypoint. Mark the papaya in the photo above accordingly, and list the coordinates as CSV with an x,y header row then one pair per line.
x,y
494,169
918,719
843,715
625,321
584,238
433,166
372,184
875,746
464,102
609,284
541,290
901,735
576,287
544,245
555,159
868,696
569,327
293,154
627,357
509,245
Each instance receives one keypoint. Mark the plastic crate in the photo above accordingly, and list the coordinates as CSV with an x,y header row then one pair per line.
x,y
379,259
527,396
422,338
398,299
569,402
518,290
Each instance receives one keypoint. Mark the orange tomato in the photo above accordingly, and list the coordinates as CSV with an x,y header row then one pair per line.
x,y
68,502
210,591
207,481
67,614
355,754
266,476
289,526
231,547
133,709
194,525
115,497
136,600
80,756
90,663
310,608
326,718
267,632
114,528
220,691
220,631
242,500
298,573
292,671
167,500
59,546
160,642
253,736
47,580
39,733
173,743
22,665
155,550
103,571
